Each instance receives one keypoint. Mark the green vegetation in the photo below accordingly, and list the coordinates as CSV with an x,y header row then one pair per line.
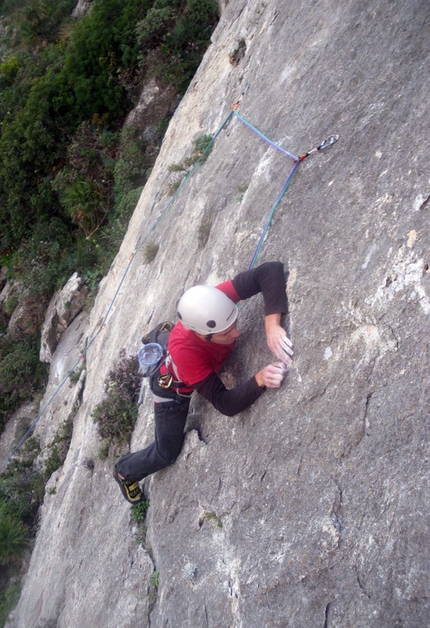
x,y
59,446
138,511
22,488
138,514
70,173
65,89
154,579
21,373
116,414
211,516
13,539
201,151
241,189
8,599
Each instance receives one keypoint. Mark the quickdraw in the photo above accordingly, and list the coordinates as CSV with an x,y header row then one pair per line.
x,y
324,144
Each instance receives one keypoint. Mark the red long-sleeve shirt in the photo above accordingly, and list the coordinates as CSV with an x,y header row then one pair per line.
x,y
197,361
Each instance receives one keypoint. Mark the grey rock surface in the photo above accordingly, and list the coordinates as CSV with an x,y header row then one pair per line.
x,y
63,308
156,101
27,316
81,8
311,508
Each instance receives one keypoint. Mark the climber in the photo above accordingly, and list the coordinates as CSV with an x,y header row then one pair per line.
x,y
198,346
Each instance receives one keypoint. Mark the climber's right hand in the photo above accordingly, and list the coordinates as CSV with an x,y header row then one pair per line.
x,y
271,376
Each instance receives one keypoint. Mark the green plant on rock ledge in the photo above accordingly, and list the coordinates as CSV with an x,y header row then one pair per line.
x,y
138,511
154,579
138,514
59,447
201,151
116,414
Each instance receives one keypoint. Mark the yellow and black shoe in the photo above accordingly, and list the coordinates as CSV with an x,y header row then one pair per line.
x,y
130,489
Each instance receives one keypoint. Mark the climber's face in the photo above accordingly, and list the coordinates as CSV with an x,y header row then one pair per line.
x,y
226,337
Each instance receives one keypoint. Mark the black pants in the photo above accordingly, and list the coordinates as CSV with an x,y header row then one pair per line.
x,y
170,418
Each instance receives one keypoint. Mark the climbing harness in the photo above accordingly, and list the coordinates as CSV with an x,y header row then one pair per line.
x,y
166,380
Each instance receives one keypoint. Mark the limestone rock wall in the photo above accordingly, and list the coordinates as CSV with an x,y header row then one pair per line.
x,y
310,508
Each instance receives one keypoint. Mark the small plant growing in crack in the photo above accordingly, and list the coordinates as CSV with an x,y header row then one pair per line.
x,y
201,151
241,189
211,516
150,252
154,579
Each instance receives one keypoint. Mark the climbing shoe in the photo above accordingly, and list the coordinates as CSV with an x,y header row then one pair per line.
x,y
130,489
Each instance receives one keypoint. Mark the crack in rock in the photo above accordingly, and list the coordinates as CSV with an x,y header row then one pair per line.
x,y
327,615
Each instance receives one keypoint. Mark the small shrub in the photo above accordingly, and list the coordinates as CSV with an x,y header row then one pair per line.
x,y
241,189
116,414
174,187
211,516
177,168
138,511
9,69
45,261
14,539
32,446
131,164
115,418
75,375
151,30
20,373
201,148
154,579
10,305
201,144
84,204
53,462
150,252
103,452
59,448
21,492
201,151
8,600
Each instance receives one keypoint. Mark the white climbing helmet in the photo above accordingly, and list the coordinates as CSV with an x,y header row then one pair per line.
x,y
206,310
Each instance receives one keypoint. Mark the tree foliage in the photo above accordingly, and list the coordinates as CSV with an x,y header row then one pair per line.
x,y
70,175
20,373
13,539
66,86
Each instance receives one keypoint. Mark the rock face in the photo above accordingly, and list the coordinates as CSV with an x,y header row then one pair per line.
x,y
65,305
81,9
310,508
155,102
27,316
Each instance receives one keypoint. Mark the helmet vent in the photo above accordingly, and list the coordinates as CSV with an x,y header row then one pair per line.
x,y
211,324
